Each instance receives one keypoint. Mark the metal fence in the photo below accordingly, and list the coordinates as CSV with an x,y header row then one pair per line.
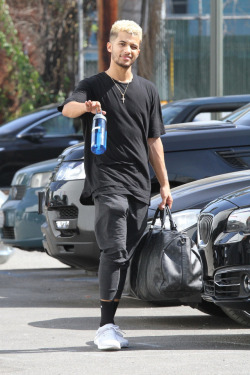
x,y
182,62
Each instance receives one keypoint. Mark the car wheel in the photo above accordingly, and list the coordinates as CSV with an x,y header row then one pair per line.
x,y
210,308
239,316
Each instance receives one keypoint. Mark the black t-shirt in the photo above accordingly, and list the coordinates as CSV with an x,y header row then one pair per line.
x,y
123,168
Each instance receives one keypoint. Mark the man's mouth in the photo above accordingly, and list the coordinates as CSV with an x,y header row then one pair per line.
x,y
126,58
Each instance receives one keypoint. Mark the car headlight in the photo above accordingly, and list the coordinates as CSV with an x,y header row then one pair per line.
x,y
40,179
70,171
183,219
239,221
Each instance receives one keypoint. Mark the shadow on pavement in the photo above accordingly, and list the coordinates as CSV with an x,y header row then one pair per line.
x,y
176,342
181,322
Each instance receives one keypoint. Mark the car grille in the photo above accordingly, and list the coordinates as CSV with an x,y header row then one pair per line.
x,y
68,212
17,192
8,233
205,227
227,284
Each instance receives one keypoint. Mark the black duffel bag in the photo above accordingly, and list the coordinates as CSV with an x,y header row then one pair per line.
x,y
166,265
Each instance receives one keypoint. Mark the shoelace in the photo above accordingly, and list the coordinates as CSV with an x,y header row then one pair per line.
x,y
118,330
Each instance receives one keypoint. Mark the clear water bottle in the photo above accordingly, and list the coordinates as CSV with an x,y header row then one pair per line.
x,y
99,134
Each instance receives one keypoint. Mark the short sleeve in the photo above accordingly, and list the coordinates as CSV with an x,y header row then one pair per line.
x,y
80,95
156,127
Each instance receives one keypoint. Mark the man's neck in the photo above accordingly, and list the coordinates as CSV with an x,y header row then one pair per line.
x,y
121,74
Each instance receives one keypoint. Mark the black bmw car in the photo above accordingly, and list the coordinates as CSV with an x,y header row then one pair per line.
x,y
224,243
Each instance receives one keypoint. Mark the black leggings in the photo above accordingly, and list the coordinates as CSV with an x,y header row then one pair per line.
x,y
120,221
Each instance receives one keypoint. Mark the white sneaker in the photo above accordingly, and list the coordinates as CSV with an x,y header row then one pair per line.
x,y
119,334
106,338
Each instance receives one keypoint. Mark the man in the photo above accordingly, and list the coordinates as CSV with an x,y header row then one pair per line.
x,y
118,180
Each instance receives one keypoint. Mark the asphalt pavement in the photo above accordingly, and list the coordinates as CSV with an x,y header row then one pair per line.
x,y
50,312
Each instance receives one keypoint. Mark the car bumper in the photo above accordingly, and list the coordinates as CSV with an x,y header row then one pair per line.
x,y
21,227
77,244
230,287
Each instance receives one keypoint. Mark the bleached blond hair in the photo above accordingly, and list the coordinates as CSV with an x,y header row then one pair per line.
x,y
130,27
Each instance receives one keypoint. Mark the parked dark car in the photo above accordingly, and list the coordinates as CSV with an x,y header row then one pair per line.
x,y
200,150
20,223
38,136
224,243
44,133
194,109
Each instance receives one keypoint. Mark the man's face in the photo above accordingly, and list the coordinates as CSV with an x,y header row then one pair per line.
x,y
124,49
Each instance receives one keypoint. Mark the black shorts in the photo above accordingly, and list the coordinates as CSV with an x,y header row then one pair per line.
x,y
120,221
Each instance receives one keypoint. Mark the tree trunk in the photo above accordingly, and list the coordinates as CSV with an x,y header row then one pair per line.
x,y
107,14
150,23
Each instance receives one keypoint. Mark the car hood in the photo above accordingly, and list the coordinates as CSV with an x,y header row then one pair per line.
x,y
187,136
204,135
75,152
197,194
43,166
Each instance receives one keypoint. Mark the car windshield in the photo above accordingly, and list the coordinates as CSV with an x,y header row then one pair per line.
x,y
170,111
241,116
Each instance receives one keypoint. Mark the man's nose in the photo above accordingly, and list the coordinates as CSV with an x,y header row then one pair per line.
x,y
127,49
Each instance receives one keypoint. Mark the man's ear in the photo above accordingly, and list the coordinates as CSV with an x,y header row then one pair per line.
x,y
109,47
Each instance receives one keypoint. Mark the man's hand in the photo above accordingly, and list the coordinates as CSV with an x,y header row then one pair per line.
x,y
166,197
75,109
93,107
156,158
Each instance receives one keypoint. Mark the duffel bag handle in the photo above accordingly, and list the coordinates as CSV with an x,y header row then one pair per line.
x,y
163,214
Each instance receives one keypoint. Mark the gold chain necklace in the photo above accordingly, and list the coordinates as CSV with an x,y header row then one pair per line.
x,y
122,93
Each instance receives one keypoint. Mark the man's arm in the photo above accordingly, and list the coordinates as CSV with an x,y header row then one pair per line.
x,y
75,109
156,158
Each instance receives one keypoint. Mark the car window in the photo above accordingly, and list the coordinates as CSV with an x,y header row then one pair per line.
x,y
170,112
19,123
244,120
241,114
207,116
61,125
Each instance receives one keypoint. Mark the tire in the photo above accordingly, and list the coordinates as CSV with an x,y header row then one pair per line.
x,y
210,308
240,316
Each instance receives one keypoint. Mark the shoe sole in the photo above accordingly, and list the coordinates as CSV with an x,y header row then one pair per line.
x,y
108,347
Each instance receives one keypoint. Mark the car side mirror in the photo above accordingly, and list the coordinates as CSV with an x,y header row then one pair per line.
x,y
34,134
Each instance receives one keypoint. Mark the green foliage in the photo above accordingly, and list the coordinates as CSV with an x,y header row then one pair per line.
x,y
24,86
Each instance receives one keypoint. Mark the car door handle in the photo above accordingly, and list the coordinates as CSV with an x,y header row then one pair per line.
x,y
73,143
